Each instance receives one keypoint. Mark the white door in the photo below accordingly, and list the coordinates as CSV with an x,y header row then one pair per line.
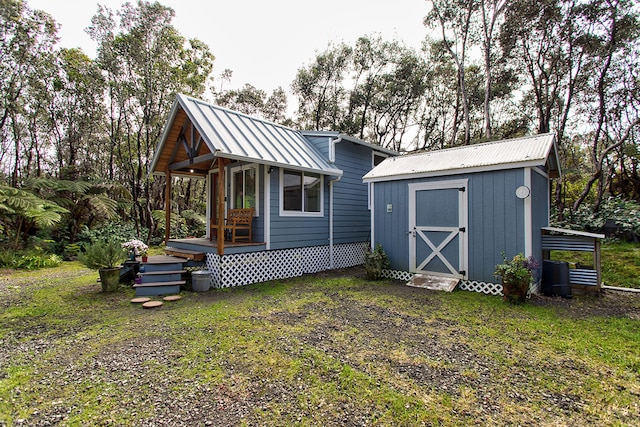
x,y
438,228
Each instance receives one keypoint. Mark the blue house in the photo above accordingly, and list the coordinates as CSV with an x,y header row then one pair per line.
x,y
310,205
451,213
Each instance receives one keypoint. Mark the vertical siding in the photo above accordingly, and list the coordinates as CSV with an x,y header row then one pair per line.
x,y
496,220
391,227
351,215
540,196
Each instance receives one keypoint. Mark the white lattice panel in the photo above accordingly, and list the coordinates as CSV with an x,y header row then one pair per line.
x,y
482,287
255,267
349,254
397,274
316,258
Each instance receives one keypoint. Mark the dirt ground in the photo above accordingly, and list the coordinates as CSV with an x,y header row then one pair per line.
x,y
126,364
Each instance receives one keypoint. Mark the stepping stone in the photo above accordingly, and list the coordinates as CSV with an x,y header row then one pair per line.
x,y
172,298
152,304
140,300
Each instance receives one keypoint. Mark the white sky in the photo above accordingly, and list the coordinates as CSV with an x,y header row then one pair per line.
x,y
264,42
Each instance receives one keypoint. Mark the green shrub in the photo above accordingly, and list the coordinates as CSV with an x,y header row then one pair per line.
x,y
32,260
103,254
118,231
375,261
625,213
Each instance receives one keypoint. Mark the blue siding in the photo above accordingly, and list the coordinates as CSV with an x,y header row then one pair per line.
x,y
391,227
292,231
495,219
540,210
351,215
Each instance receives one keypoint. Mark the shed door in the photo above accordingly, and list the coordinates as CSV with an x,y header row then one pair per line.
x,y
438,228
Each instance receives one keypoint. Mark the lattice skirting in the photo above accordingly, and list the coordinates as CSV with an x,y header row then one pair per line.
x,y
482,287
465,285
397,274
255,267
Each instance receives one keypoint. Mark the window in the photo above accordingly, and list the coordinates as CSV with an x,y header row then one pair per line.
x,y
301,193
244,185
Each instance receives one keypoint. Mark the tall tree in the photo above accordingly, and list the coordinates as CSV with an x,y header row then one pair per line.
x,y
455,19
145,62
27,38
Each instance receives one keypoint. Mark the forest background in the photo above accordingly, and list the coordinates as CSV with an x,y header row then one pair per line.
x,y
77,134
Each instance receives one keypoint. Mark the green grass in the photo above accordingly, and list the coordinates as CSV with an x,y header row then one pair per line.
x,y
620,262
311,351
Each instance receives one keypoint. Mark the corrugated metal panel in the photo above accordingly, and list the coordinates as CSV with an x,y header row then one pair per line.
x,y
528,151
234,135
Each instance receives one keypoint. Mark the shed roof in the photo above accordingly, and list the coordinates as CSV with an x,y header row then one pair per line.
x,y
231,135
538,150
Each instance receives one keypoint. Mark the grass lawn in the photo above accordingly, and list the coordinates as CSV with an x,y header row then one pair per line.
x,y
333,350
620,262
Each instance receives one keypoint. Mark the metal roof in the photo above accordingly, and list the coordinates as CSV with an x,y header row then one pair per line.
x,y
530,151
232,135
338,137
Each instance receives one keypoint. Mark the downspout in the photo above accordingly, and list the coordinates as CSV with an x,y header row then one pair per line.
x,y
331,182
332,160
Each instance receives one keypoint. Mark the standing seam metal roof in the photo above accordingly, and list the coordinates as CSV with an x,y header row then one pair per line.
x,y
517,152
235,135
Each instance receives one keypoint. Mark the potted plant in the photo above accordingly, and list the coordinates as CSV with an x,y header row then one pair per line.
x,y
106,257
516,275
136,248
375,261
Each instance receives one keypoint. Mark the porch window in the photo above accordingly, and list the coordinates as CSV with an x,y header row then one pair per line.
x,y
301,193
244,187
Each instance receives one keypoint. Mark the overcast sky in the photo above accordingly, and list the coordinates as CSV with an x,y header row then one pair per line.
x,y
263,42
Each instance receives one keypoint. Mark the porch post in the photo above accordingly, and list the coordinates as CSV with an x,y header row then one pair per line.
x,y
167,206
220,238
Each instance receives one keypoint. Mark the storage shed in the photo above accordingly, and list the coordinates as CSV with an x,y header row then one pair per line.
x,y
453,212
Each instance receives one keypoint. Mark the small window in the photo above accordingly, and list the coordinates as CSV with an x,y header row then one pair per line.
x,y
244,186
301,193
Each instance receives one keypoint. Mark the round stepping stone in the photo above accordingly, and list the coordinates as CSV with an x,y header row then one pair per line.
x,y
152,304
139,300
172,298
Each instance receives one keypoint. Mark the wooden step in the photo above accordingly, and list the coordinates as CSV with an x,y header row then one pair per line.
x,y
184,253
158,288
150,284
156,273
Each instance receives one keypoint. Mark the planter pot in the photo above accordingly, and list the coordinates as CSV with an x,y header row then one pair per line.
x,y
109,279
515,293
145,258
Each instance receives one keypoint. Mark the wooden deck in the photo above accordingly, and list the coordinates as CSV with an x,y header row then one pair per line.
x,y
186,248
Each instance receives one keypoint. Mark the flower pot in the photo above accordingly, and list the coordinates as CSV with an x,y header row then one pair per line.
x,y
145,258
515,293
109,278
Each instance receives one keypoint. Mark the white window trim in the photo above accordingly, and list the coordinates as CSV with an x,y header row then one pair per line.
x,y
301,213
232,172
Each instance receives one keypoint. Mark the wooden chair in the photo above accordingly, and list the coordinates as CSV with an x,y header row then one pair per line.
x,y
239,219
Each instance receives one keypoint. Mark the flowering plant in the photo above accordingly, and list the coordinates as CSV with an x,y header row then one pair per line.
x,y
517,270
137,246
